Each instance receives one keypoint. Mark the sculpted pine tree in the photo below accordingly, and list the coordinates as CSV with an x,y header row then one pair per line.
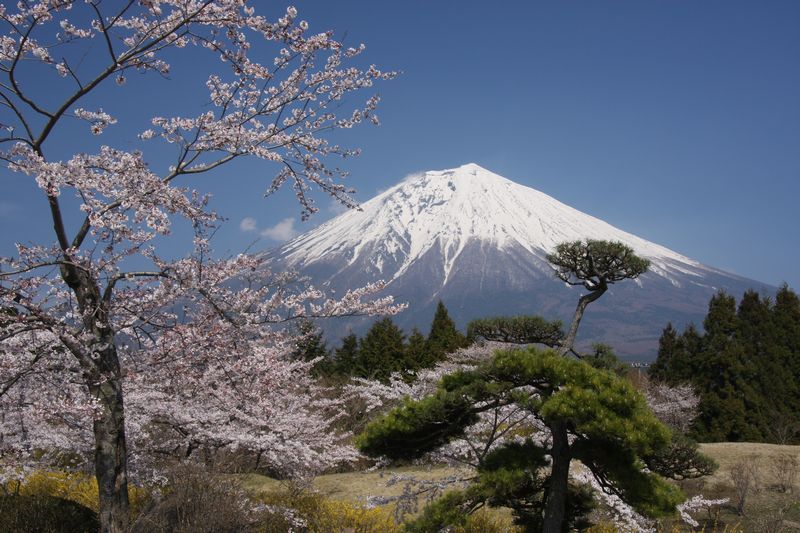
x,y
608,427
102,340
517,330
593,265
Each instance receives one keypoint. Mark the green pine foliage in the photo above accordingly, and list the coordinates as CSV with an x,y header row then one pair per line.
x,y
615,434
604,358
443,338
384,349
346,356
526,329
381,351
417,353
745,366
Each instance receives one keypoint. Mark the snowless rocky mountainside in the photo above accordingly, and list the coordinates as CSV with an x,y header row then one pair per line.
x,y
478,241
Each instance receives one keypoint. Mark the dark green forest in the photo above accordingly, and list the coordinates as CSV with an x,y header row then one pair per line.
x,y
745,365
383,350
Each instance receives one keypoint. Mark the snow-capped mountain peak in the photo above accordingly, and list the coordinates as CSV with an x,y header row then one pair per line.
x,y
478,241
446,210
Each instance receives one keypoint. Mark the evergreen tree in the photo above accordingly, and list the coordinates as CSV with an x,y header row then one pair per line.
x,y
668,355
346,355
784,418
310,344
527,329
606,425
593,265
417,353
746,367
604,358
381,351
786,323
443,338
691,347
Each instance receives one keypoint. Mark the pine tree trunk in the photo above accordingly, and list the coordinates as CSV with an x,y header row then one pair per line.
x,y
556,498
584,301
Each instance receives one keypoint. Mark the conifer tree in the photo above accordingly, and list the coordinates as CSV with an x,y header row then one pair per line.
x,y
745,367
310,344
728,391
381,351
669,355
346,355
606,425
786,323
417,353
527,329
443,337
594,265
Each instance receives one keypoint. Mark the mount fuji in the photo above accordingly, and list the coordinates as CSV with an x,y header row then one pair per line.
x,y
479,241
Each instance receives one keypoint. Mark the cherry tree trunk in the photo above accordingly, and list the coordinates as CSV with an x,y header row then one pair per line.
x,y
111,452
103,375
556,497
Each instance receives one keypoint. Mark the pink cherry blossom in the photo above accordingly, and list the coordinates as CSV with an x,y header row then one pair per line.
x,y
110,352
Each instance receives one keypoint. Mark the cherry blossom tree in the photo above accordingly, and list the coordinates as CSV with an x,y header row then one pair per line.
x,y
104,342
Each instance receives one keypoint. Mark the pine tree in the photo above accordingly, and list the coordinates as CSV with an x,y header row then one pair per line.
x,y
617,436
346,355
593,265
310,344
443,338
381,351
746,367
417,353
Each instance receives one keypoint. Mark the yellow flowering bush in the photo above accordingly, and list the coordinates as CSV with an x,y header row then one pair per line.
x,y
77,487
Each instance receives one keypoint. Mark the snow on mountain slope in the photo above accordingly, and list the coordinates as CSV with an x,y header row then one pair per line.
x,y
478,242
446,209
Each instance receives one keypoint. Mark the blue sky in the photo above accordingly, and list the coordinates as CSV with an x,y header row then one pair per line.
x,y
676,121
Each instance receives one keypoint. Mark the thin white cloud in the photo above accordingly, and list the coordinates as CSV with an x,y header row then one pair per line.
x,y
337,208
248,224
282,231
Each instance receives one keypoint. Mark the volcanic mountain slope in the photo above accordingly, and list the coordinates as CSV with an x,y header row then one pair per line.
x,y
479,242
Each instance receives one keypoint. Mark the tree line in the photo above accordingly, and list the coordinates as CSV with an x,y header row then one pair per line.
x,y
384,350
745,365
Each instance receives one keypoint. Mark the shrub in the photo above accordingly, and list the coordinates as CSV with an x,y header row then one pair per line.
x,y
786,469
486,521
74,486
45,513
79,488
197,500
315,513
746,479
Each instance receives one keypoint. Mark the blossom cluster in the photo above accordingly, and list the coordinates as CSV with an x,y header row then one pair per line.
x,y
197,347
